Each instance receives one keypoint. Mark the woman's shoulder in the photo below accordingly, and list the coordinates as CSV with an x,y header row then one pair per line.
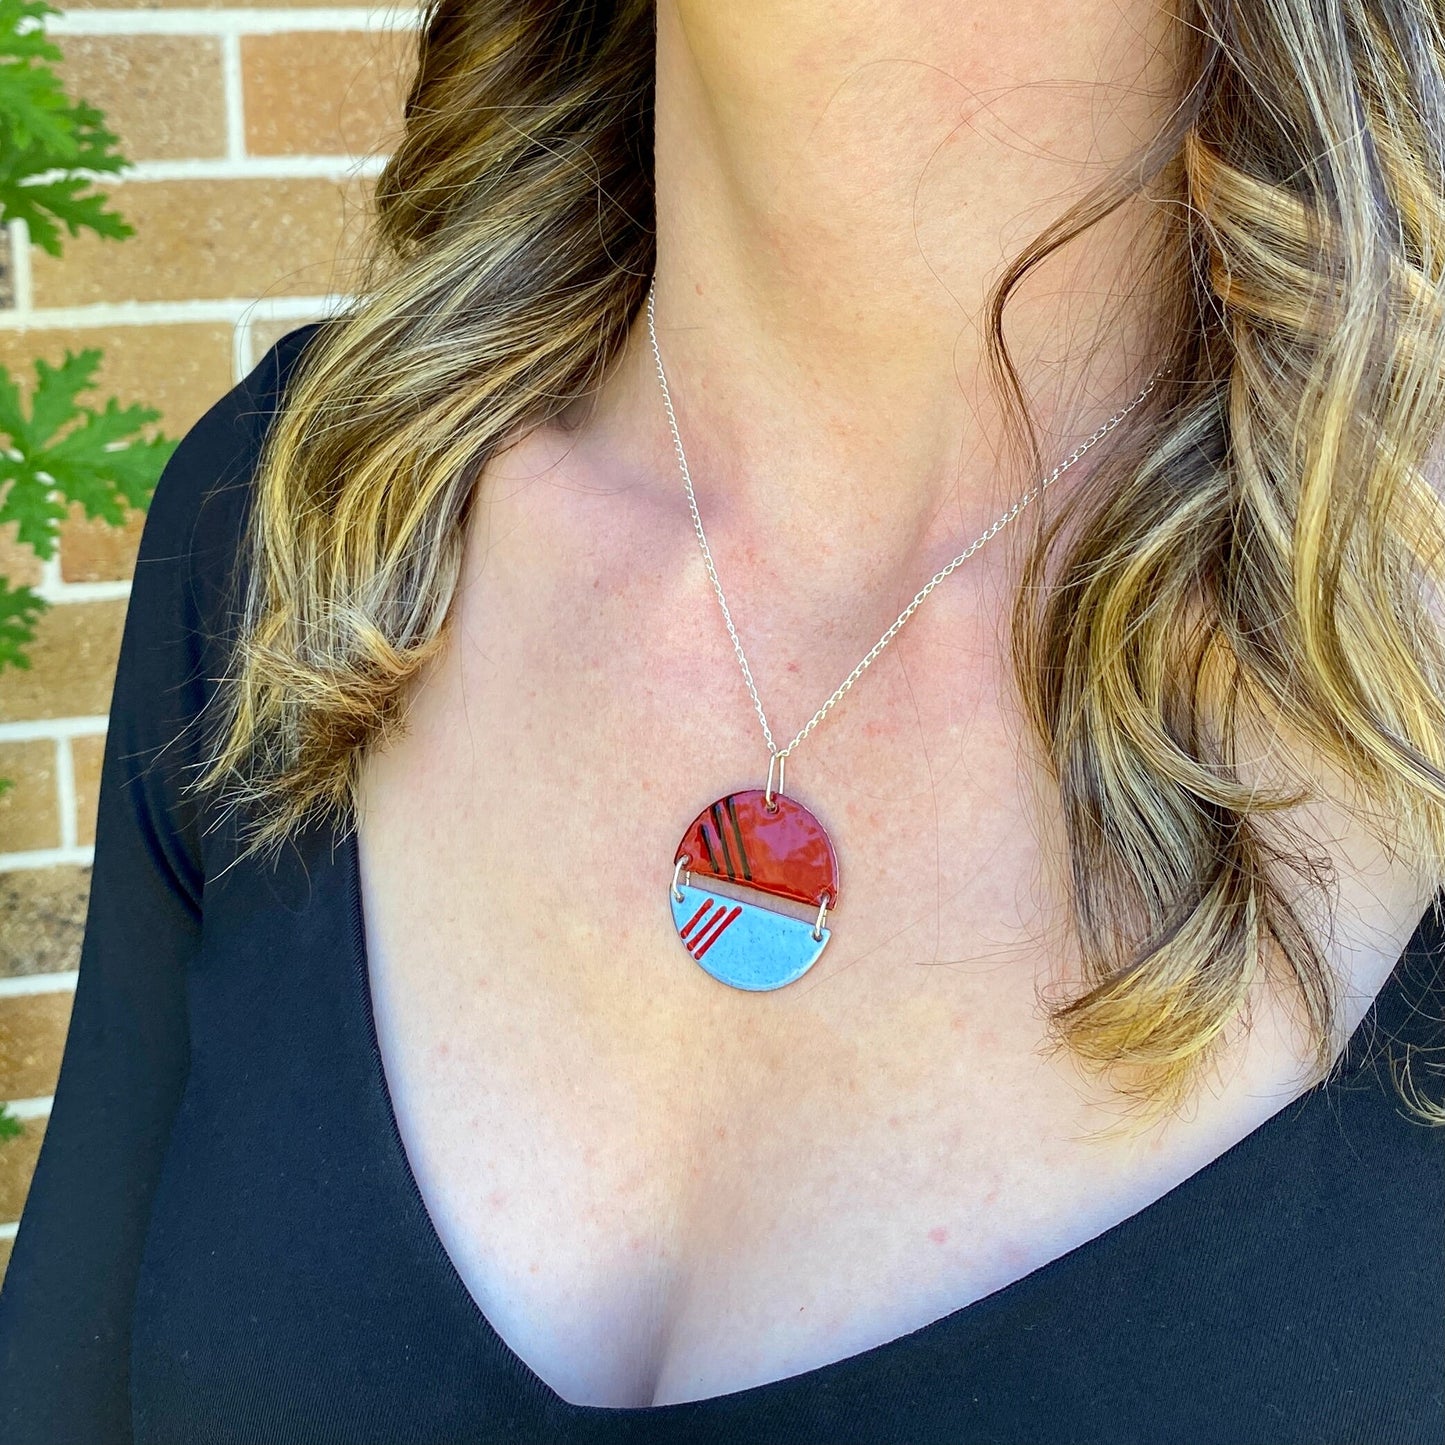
x,y
189,571
201,498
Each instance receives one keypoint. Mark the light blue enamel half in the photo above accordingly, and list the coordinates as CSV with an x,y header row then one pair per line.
x,y
754,948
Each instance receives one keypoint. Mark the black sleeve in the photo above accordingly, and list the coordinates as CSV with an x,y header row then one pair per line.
x,y
66,1303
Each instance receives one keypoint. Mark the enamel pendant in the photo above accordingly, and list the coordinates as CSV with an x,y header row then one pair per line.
x,y
764,844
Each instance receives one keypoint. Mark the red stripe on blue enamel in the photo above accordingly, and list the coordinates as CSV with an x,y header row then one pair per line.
x,y
701,945
746,945
706,907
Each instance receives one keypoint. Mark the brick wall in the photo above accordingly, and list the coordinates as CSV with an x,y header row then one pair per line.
x,y
255,133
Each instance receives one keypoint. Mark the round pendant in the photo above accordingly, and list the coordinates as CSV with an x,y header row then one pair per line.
x,y
782,852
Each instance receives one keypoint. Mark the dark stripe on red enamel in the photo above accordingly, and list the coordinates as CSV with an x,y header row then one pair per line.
x,y
707,843
722,838
738,834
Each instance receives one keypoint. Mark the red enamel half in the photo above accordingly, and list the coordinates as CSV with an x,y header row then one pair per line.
x,y
784,852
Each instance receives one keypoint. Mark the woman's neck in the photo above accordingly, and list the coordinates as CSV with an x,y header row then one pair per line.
x,y
838,184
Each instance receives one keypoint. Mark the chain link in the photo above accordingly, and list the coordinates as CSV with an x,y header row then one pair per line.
x,y
1018,506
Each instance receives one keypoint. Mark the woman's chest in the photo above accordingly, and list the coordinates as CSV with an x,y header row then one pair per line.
x,y
658,1188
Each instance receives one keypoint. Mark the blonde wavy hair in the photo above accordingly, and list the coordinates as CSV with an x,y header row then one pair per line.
x,y
1274,494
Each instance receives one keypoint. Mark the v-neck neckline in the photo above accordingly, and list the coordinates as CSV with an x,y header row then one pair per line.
x,y
1181,1195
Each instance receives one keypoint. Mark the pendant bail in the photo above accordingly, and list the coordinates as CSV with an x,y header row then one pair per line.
x,y
776,760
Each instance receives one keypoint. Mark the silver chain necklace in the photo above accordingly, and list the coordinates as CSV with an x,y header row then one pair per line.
x,y
759,838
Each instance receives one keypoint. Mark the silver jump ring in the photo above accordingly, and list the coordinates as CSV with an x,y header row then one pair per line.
x,y
822,914
678,867
778,761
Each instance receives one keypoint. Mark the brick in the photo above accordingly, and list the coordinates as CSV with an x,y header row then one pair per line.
x,y
72,664
29,810
18,564
32,1039
325,92
178,369
86,754
17,1167
200,239
42,919
91,550
163,95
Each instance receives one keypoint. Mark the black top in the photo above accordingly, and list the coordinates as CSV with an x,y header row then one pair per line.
x,y
224,1241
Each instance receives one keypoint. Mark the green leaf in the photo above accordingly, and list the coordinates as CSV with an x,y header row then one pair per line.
x,y
10,1126
36,204
20,609
12,15
51,147
64,452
